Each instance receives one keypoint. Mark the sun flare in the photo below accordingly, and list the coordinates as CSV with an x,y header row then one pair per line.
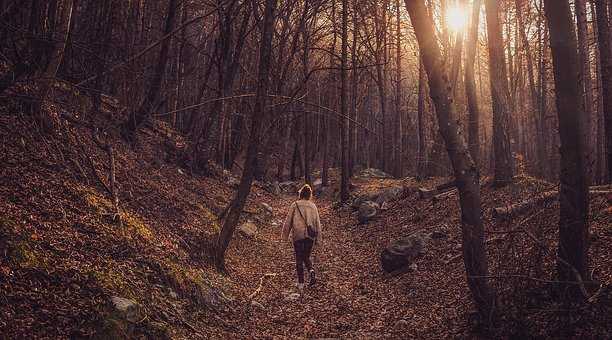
x,y
456,18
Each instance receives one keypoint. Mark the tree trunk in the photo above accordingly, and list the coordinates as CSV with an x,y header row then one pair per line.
x,y
354,95
422,153
573,223
540,145
344,181
60,37
543,103
150,100
503,170
470,85
466,173
603,32
586,84
259,116
398,154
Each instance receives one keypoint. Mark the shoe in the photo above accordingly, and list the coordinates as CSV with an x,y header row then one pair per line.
x,y
300,287
313,279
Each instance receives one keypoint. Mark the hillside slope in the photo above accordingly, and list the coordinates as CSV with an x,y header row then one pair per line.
x,y
66,259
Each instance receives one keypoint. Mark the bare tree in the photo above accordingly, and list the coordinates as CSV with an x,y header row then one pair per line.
x,y
585,80
259,116
603,32
503,171
344,180
466,173
470,84
397,128
573,223
151,100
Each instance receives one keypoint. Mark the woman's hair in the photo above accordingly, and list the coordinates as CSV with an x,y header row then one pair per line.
x,y
305,192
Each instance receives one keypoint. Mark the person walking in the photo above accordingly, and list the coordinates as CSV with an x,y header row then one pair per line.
x,y
304,227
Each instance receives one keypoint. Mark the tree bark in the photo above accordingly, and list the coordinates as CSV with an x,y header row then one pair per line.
x,y
503,170
421,154
603,32
586,83
573,220
466,173
470,85
344,181
259,116
398,153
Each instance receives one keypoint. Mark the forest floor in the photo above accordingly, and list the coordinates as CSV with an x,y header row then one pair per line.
x,y
64,259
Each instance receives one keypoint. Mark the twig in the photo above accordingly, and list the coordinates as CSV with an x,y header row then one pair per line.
x,y
250,297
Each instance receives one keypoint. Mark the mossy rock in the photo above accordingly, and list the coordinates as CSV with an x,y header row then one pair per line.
x,y
113,326
191,283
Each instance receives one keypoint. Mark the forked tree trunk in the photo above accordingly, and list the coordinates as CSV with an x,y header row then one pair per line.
x,y
466,173
573,224
259,116
503,170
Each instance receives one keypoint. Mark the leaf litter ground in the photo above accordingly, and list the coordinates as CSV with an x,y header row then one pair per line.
x,y
64,256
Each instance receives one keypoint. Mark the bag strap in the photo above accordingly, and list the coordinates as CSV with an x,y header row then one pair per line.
x,y
300,211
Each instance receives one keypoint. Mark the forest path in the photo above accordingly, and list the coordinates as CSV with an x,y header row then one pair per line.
x,y
352,297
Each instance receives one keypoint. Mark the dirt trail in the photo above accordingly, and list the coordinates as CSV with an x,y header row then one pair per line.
x,y
352,297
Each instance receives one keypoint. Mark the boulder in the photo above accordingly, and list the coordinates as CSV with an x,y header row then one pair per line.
x,y
389,195
401,253
367,211
358,201
126,319
248,229
127,309
276,189
373,173
380,197
288,187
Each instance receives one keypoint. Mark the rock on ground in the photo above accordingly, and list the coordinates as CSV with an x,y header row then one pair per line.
x,y
127,309
248,229
267,207
401,253
373,173
367,211
389,195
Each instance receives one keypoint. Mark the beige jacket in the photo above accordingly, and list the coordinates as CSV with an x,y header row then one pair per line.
x,y
297,229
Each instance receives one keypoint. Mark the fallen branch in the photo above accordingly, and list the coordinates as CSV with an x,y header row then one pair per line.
x,y
444,195
512,210
425,193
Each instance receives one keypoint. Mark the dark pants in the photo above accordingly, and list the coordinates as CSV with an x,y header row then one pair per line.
x,y
302,248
